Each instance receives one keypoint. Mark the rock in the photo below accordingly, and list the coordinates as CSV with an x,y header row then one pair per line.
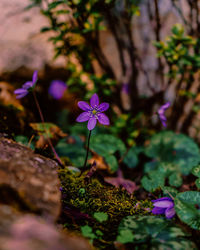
x,y
28,182
31,232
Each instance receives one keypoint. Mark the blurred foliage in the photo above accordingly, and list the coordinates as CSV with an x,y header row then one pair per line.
x,y
180,51
78,38
147,232
107,146
74,152
24,141
171,159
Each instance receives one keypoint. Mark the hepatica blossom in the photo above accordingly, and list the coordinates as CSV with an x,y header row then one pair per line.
x,y
27,86
164,205
57,89
93,112
161,113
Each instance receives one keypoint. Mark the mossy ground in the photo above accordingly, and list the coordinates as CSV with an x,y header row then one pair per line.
x,y
96,196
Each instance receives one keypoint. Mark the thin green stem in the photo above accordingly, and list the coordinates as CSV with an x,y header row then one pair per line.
x,y
88,145
48,139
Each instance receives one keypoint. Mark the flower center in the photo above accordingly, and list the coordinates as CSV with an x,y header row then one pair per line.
x,y
94,112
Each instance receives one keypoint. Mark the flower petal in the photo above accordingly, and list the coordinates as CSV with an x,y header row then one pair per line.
x,y
163,199
170,212
20,91
57,89
94,101
161,111
35,77
21,95
164,123
92,123
157,210
83,117
164,204
103,119
166,105
27,85
103,106
162,117
84,106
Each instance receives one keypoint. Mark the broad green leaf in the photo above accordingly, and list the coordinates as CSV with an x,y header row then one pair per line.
x,y
153,181
87,232
175,180
112,162
101,216
153,233
185,208
169,147
192,197
107,144
74,152
131,159
125,236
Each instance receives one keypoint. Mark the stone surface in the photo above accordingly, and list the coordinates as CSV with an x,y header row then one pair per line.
x,y
21,42
28,181
29,232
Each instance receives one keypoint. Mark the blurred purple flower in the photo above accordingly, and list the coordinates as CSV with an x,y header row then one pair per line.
x,y
125,88
161,113
27,86
164,205
93,112
118,181
57,89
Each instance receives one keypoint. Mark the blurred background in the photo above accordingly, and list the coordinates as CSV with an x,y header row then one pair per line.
x,y
136,54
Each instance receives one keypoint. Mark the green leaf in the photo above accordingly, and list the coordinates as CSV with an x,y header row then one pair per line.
x,y
23,140
131,159
45,29
87,232
185,209
125,236
107,144
175,180
169,147
153,181
197,182
167,191
99,233
101,216
74,152
55,4
196,171
112,162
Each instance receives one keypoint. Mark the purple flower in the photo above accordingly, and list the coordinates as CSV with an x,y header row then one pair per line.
x,y
26,87
125,88
161,113
165,206
93,112
57,89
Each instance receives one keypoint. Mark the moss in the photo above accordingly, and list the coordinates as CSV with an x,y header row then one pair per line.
x,y
98,197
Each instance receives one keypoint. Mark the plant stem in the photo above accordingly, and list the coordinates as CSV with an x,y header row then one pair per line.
x,y
88,144
48,139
